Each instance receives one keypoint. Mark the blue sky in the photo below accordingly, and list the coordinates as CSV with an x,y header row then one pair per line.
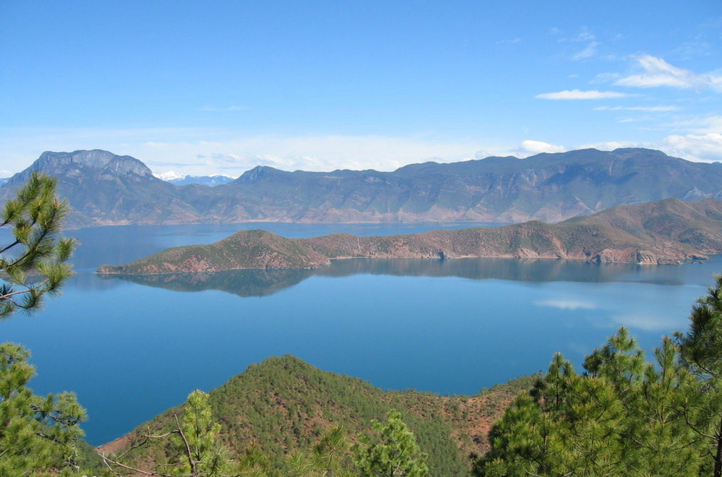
x,y
222,86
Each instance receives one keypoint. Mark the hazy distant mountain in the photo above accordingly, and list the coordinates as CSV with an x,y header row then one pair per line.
x,y
105,189
3,181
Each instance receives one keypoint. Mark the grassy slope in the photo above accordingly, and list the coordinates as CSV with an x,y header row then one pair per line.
x,y
284,404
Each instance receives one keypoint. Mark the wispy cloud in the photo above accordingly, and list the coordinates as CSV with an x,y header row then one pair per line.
x,y
578,94
588,51
700,125
605,78
512,41
585,36
657,72
650,109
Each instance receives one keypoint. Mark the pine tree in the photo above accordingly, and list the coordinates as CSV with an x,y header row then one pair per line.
x,y
192,445
34,262
37,435
702,355
395,453
197,440
623,416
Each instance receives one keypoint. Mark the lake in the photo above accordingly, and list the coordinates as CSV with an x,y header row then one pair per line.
x,y
132,348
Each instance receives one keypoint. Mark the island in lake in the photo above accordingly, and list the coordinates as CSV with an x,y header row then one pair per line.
x,y
668,231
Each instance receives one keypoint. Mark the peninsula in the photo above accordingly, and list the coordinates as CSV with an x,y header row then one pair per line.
x,y
668,231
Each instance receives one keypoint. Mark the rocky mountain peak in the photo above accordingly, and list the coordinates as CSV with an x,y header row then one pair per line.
x,y
63,163
95,159
257,173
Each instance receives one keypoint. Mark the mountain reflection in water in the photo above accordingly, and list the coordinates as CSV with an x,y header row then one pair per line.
x,y
258,283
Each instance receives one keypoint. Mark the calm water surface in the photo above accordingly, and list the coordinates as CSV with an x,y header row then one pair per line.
x,y
132,348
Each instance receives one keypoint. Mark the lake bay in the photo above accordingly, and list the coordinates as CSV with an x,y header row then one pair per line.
x,y
132,348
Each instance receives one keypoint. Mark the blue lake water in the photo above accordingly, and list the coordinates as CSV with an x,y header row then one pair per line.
x,y
131,349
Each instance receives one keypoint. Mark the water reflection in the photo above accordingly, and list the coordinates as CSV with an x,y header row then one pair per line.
x,y
244,283
258,283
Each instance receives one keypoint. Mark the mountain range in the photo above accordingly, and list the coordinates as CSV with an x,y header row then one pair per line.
x,y
105,189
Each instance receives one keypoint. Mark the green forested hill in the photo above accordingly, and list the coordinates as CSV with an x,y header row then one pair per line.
x,y
283,405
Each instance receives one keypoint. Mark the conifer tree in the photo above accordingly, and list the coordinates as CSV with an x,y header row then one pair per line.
x,y
192,446
197,440
623,416
37,435
702,355
395,454
35,216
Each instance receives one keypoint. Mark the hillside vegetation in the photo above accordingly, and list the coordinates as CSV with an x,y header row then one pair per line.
x,y
669,231
284,405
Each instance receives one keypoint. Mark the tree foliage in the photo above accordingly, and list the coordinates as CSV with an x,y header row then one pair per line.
x,y
395,452
194,449
702,357
37,434
34,262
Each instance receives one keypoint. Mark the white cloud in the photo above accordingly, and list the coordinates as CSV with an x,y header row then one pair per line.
x,y
612,145
567,304
658,72
169,176
700,147
530,147
578,94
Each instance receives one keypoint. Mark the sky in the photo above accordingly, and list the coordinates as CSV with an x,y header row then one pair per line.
x,y
219,87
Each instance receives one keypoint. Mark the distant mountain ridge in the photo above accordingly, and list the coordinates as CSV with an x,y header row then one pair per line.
x,y
105,189
79,162
669,231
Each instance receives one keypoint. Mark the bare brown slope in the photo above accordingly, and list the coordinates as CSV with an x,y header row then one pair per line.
x,y
669,223
669,231
249,249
